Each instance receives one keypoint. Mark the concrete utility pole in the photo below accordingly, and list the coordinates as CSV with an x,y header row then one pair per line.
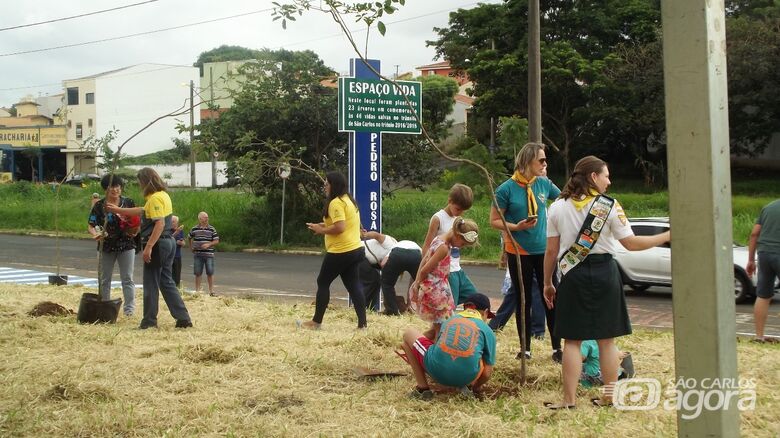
x,y
492,145
192,134
534,74
700,204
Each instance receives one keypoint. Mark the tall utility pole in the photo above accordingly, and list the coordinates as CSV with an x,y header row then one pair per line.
x,y
534,74
697,126
192,134
492,145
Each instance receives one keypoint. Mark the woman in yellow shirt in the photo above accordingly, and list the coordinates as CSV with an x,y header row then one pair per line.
x,y
344,252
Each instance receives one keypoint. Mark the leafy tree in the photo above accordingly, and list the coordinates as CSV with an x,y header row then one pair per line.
x,y
576,37
225,53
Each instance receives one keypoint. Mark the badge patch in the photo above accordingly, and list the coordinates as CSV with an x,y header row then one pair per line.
x,y
597,224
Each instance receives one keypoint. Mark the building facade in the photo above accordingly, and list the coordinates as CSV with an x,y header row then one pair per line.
x,y
124,102
31,146
217,81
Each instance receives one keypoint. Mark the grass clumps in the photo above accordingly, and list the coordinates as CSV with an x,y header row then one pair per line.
x,y
244,369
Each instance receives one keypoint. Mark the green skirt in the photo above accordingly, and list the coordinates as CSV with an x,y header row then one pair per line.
x,y
590,303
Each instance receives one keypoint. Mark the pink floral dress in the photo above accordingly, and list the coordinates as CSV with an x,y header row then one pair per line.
x,y
433,298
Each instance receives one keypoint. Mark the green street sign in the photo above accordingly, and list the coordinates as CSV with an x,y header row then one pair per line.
x,y
369,105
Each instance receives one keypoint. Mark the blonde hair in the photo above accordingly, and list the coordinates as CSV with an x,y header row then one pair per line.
x,y
150,181
527,155
467,229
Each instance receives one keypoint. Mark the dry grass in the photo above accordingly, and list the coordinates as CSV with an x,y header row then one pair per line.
x,y
245,370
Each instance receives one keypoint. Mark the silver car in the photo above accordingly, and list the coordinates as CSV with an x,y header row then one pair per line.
x,y
653,267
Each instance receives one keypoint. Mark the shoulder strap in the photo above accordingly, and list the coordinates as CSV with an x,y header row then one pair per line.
x,y
588,235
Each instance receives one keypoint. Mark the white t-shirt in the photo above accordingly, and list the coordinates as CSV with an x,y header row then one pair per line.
x,y
445,225
379,252
376,252
565,221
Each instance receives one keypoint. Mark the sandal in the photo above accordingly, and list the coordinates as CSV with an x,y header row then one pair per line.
x,y
554,407
598,402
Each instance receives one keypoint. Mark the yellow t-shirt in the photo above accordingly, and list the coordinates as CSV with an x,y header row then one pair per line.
x,y
158,206
342,209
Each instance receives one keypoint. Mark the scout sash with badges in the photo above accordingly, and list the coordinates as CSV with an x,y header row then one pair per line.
x,y
588,235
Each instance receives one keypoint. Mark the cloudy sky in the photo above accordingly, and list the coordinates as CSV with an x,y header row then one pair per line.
x,y
41,72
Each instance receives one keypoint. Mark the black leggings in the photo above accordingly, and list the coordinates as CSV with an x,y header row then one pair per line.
x,y
345,265
531,264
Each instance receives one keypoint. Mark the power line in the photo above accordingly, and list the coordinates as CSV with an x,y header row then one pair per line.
x,y
76,16
136,34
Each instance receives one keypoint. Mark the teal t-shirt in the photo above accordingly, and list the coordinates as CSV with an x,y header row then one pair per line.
x,y
513,199
453,360
590,351
769,219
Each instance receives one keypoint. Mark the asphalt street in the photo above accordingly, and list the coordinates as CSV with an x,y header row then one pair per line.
x,y
284,277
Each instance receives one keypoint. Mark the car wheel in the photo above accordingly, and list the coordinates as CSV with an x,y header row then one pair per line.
x,y
639,287
742,288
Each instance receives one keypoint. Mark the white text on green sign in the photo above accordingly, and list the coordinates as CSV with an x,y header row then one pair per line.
x,y
379,106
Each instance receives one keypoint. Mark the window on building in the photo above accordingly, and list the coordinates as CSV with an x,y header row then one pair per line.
x,y
73,96
89,123
90,97
79,131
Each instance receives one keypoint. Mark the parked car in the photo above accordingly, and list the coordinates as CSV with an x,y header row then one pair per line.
x,y
653,267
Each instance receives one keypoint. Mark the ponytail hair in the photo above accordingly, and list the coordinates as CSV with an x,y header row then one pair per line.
x,y
580,182
467,229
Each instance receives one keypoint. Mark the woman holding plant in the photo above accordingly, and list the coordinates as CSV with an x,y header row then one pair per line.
x,y
116,235
158,250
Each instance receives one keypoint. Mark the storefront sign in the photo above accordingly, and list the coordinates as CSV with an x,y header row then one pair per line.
x,y
34,137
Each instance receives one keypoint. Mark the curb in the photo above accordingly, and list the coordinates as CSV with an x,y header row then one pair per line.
x,y
259,250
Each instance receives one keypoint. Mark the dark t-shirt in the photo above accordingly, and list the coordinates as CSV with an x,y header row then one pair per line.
x,y
116,240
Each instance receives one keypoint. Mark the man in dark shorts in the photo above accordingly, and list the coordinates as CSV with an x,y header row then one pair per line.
x,y
765,239
463,354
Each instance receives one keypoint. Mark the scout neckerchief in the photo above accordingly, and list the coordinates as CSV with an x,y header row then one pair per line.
x,y
519,178
470,313
589,233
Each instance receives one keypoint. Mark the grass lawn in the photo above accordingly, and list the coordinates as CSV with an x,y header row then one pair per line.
x,y
245,370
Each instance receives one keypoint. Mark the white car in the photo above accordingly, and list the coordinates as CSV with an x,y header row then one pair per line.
x,y
653,267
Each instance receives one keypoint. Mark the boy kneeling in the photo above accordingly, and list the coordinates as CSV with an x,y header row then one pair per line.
x,y
462,355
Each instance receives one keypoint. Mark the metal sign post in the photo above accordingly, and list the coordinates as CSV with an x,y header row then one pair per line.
x,y
284,173
369,106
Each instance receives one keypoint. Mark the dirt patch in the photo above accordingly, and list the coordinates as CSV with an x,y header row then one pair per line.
x,y
209,354
48,308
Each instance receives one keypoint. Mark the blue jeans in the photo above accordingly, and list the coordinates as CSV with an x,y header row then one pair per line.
x,y
158,278
200,262
126,261
507,309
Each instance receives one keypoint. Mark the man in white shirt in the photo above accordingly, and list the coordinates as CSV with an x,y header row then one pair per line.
x,y
386,259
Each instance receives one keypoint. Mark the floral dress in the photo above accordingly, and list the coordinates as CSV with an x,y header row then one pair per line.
x,y
432,299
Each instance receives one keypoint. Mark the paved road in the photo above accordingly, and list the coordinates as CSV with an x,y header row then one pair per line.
x,y
292,277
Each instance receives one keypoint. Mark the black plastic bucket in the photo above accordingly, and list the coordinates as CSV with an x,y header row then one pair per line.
x,y
92,309
58,280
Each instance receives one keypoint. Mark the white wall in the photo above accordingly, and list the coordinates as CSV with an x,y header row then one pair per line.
x,y
180,174
131,98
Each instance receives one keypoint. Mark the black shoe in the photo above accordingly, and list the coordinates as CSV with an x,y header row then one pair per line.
x,y
183,323
557,356
520,355
147,326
